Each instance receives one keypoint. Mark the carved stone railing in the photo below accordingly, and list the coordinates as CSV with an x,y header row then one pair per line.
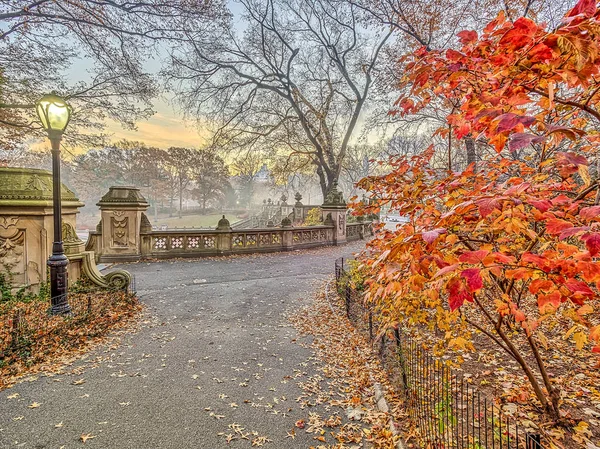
x,y
198,243
125,234
358,231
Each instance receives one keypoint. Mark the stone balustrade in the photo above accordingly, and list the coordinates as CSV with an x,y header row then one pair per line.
x,y
125,234
199,243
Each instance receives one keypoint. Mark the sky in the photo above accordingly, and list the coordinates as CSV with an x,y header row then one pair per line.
x,y
167,128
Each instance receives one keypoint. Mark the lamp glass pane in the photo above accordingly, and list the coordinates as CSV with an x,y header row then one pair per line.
x,y
53,112
41,112
58,116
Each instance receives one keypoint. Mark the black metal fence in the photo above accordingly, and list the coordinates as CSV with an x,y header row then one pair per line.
x,y
25,325
447,410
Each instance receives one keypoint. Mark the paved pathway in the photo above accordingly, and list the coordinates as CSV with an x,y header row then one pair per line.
x,y
217,350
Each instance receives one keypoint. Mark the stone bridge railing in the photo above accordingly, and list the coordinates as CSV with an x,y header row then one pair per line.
x,y
201,243
125,233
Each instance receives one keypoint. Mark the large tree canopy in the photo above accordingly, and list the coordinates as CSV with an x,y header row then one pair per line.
x,y
296,80
107,40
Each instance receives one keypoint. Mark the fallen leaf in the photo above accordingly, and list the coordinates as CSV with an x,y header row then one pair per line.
x,y
86,436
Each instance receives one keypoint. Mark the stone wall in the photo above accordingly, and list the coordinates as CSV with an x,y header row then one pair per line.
x,y
27,231
116,239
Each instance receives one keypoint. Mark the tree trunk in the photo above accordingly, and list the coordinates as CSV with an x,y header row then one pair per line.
x,y
180,195
471,154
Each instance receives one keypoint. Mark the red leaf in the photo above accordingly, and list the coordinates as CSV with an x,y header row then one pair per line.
x,y
466,37
446,270
453,55
592,243
572,158
503,258
590,212
474,256
579,288
555,226
521,140
585,7
542,205
553,299
431,236
473,278
540,284
488,205
572,231
509,121
457,293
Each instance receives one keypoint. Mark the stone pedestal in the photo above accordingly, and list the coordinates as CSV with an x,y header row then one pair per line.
x,y
123,218
334,211
27,228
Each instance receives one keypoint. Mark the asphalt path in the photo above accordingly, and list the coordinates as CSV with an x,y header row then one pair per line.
x,y
215,353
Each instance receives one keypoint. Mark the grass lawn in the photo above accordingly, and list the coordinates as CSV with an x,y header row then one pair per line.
x,y
189,221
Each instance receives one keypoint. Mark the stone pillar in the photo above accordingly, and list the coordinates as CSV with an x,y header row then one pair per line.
x,y
224,237
334,210
287,236
122,211
298,209
27,226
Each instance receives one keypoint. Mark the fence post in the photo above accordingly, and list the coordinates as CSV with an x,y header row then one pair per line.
x,y
348,293
533,441
16,322
401,357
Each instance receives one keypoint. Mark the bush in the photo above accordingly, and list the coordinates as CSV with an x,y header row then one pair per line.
x,y
313,217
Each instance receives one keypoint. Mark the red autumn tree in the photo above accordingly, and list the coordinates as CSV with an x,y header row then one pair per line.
x,y
509,250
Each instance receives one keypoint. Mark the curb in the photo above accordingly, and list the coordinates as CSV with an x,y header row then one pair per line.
x,y
380,401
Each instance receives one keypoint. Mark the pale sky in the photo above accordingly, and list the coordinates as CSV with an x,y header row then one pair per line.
x,y
164,129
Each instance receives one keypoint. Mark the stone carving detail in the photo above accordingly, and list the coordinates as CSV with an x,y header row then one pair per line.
x,y
334,197
12,257
145,225
37,183
118,213
176,242
7,222
238,241
120,231
68,234
342,223
209,242
160,243
251,240
193,242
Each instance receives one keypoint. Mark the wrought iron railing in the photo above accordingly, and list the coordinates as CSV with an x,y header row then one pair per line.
x,y
446,409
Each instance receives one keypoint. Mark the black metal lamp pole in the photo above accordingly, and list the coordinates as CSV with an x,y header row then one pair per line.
x,y
57,262
55,113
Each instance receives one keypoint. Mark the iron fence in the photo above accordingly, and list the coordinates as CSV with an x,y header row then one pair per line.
x,y
24,326
447,410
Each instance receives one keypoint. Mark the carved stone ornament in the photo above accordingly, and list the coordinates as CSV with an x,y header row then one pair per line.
x,y
342,223
334,196
37,183
7,222
69,235
120,231
12,258
145,225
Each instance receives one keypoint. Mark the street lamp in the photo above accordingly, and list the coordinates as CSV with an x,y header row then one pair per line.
x,y
55,113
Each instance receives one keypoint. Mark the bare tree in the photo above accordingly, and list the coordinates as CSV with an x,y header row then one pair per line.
x,y
108,40
295,81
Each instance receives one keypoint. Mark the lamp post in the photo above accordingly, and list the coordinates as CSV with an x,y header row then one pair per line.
x,y
55,113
